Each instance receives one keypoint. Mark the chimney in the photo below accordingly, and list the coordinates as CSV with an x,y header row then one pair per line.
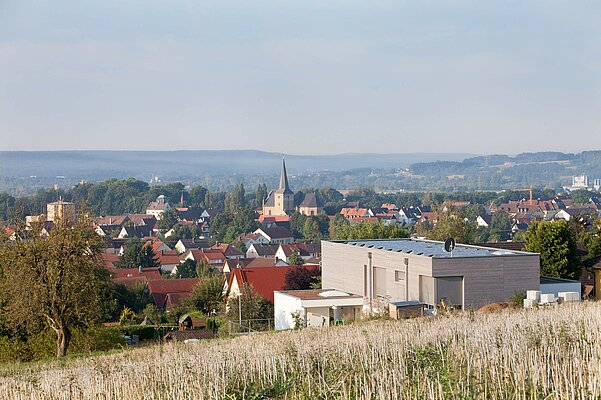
x,y
140,268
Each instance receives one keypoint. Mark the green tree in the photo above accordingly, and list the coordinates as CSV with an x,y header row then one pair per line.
x,y
135,255
451,224
168,221
261,194
337,226
295,259
203,269
369,230
197,196
58,281
311,229
501,221
187,269
207,296
226,227
235,200
297,224
581,196
253,305
557,248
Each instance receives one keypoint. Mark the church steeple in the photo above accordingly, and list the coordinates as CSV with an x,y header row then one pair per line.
x,y
284,187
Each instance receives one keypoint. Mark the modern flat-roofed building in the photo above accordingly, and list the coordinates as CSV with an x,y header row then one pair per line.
x,y
421,270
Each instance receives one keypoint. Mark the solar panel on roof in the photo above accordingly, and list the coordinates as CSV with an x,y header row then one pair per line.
x,y
424,247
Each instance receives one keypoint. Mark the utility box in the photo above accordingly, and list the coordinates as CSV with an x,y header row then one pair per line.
x,y
569,297
547,298
533,295
406,309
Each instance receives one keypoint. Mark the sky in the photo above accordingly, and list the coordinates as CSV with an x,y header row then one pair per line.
x,y
301,77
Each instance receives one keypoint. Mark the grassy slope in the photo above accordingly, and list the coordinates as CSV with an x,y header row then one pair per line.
x,y
519,354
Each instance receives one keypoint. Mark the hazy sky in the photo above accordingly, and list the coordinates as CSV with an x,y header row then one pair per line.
x,y
301,76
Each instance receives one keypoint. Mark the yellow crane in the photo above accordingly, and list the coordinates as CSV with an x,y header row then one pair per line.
x,y
531,202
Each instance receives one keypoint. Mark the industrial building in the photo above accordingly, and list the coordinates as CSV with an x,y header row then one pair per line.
x,y
467,277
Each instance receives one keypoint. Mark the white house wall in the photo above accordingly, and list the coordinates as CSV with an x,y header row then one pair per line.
x,y
284,306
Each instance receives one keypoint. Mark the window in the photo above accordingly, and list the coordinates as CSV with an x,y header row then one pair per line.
x,y
399,276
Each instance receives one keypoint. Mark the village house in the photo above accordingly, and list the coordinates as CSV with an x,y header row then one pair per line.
x,y
141,232
131,277
184,245
318,308
214,258
264,280
484,221
261,250
158,208
169,261
229,251
306,251
276,235
169,293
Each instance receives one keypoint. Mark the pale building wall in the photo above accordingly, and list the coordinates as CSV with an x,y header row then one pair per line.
x,y
318,317
284,306
346,268
485,279
491,279
60,210
309,210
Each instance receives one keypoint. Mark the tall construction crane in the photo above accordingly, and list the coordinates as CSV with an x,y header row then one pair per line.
x,y
531,202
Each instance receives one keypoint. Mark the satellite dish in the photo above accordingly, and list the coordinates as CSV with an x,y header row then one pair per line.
x,y
449,245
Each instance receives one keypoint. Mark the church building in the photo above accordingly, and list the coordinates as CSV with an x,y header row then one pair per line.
x,y
284,201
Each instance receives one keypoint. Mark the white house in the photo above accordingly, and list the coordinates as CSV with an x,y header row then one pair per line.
x,y
276,235
311,308
261,250
484,221
407,216
158,207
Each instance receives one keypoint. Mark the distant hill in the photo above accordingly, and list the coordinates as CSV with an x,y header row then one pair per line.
x,y
99,165
24,173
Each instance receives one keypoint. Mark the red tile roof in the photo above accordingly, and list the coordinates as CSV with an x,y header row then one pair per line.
x,y
109,259
228,250
263,280
211,256
273,218
112,220
132,276
159,289
349,212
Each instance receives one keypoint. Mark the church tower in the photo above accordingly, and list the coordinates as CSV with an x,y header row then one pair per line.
x,y
284,196
280,201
